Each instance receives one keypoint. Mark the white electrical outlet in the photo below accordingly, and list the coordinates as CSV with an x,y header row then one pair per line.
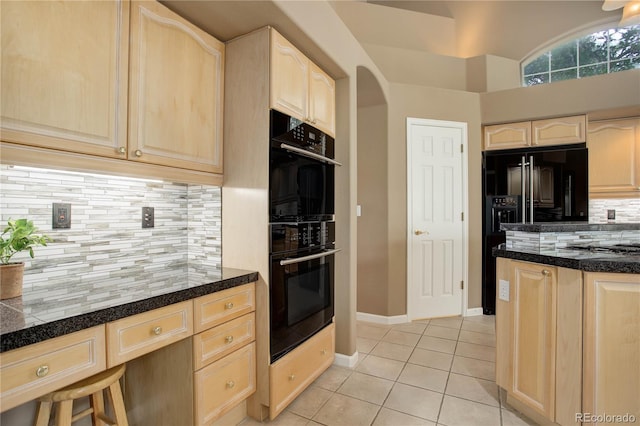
x,y
503,290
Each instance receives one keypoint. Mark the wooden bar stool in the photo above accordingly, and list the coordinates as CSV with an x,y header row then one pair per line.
x,y
93,387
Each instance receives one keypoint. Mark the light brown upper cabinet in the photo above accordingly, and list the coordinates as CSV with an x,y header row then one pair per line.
x,y
77,75
64,75
558,131
507,136
299,87
554,131
176,89
614,158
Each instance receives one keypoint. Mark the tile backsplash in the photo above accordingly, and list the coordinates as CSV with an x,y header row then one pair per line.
x,y
106,238
627,210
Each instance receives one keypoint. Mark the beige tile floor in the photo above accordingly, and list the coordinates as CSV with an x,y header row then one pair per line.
x,y
430,372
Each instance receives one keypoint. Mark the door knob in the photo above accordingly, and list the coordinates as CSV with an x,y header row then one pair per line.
x,y
420,232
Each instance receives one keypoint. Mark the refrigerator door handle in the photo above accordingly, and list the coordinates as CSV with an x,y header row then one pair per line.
x,y
523,185
531,189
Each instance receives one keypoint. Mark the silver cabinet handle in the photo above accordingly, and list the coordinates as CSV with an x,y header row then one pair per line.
x,y
228,339
122,150
531,194
138,153
292,377
230,384
285,262
157,330
546,273
420,232
523,194
228,306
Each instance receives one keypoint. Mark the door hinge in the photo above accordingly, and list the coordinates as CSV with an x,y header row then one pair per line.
x,y
461,285
461,147
462,216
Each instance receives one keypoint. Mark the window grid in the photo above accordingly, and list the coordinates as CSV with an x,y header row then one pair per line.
x,y
549,71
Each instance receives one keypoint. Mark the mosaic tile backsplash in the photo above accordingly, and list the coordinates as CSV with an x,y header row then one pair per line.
x,y
627,210
106,238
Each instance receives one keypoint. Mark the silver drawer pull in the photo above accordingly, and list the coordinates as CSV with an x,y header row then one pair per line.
x,y
138,153
157,330
324,352
228,339
228,305
292,377
122,150
546,273
230,384
42,371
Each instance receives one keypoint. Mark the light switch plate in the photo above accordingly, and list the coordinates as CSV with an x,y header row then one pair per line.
x,y
503,290
61,216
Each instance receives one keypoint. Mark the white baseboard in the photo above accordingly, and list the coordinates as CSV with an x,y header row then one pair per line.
x,y
472,312
381,319
348,361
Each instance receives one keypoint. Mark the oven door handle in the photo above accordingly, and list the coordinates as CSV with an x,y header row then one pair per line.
x,y
291,261
309,154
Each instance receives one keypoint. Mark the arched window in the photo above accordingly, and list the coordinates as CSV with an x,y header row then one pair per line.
x,y
602,52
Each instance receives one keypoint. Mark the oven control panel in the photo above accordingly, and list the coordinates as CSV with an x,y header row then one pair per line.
x,y
297,236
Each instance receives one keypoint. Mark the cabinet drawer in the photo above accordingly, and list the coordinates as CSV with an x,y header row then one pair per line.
x,y
291,374
219,341
222,385
137,335
223,306
32,371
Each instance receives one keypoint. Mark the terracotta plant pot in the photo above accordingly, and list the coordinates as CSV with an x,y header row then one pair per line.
x,y
11,280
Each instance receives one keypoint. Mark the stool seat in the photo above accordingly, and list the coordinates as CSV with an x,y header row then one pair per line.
x,y
93,387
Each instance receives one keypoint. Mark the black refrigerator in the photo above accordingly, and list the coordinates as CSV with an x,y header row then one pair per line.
x,y
529,186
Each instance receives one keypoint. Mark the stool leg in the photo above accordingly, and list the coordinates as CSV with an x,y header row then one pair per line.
x,y
117,400
97,403
44,411
64,413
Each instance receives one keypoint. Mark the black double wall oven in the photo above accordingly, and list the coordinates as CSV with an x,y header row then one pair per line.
x,y
302,244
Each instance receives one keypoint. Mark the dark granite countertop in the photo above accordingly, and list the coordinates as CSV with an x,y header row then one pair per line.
x,y
576,259
45,312
568,227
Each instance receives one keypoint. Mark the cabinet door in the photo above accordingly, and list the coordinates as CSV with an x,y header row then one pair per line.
x,y
64,74
534,336
175,103
614,158
612,344
559,131
506,136
289,78
322,100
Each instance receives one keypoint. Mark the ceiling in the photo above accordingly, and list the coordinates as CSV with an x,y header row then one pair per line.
x,y
509,28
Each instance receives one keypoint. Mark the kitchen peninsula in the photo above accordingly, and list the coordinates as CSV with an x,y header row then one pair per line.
x,y
89,325
568,320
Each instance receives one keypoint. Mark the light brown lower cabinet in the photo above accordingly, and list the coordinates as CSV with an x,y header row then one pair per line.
x,y
199,379
34,370
291,375
612,347
538,339
225,383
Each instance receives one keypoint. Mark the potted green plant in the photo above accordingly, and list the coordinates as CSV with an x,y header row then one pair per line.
x,y
19,235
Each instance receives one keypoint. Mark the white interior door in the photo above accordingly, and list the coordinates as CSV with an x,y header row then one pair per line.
x,y
436,229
